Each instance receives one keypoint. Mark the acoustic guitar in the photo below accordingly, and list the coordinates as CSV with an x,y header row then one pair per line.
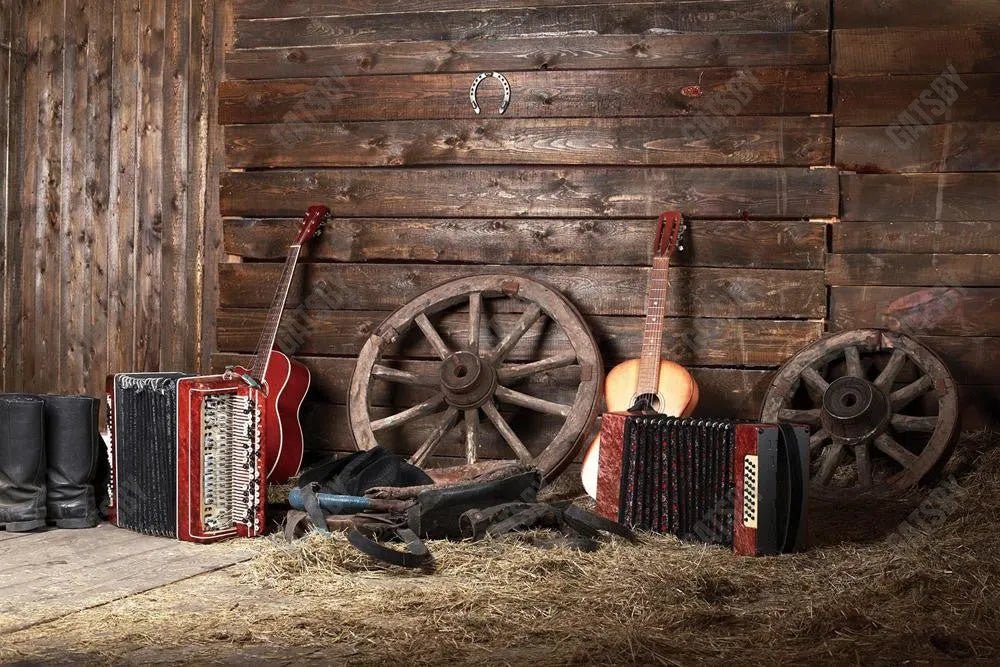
x,y
648,384
282,380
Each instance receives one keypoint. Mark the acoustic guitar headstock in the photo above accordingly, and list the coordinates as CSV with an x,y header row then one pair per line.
x,y
312,223
669,234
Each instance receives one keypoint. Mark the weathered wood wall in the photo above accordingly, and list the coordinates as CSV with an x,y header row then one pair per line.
x,y
364,107
918,142
110,190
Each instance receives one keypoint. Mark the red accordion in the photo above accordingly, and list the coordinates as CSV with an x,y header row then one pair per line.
x,y
186,456
742,485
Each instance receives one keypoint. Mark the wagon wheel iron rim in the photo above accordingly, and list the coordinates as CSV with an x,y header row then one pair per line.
x,y
474,379
864,416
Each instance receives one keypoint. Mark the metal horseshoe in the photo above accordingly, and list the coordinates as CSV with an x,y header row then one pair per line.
x,y
482,77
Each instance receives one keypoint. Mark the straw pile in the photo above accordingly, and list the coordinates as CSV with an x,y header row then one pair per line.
x,y
913,579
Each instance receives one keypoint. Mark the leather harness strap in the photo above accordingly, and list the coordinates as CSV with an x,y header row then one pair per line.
x,y
415,555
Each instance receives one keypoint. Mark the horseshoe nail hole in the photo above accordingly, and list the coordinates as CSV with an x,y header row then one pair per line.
x,y
461,371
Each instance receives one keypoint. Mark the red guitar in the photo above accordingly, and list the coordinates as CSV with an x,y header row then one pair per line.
x,y
283,381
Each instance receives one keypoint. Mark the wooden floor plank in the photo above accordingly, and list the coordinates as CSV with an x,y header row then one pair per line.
x,y
51,574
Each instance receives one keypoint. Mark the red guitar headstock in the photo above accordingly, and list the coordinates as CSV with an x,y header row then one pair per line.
x,y
668,234
311,224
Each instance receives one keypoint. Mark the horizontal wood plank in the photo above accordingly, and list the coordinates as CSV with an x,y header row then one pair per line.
x,y
929,197
702,341
759,192
711,140
866,268
722,91
927,148
702,292
912,101
903,13
501,22
718,243
569,52
939,311
919,236
972,360
295,8
917,50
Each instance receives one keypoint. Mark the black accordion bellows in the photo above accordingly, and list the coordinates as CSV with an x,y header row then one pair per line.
x,y
146,454
677,477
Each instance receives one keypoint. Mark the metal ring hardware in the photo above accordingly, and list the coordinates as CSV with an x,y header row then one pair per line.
x,y
482,77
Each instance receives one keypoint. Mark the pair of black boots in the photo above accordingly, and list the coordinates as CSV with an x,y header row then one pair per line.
x,y
50,449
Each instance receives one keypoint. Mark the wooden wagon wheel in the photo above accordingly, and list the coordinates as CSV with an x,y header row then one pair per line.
x,y
883,409
472,377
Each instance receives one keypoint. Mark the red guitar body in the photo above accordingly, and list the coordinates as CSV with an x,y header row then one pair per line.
x,y
285,385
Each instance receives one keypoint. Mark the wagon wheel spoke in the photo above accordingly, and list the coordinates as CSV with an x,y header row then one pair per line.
x,y
891,370
402,377
810,417
817,439
900,454
830,461
471,419
815,380
902,397
443,426
523,455
419,410
863,459
521,327
475,315
911,423
853,359
532,402
432,336
512,372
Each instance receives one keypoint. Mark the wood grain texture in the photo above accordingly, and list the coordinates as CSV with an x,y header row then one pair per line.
x,y
612,291
591,93
575,141
700,341
883,100
735,243
507,191
903,13
917,237
917,50
566,52
935,148
910,197
938,311
864,268
294,8
502,22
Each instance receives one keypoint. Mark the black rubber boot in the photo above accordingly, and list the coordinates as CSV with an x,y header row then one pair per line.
x,y
22,463
72,444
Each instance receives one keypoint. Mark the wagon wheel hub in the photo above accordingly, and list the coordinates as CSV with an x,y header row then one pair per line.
x,y
467,381
854,410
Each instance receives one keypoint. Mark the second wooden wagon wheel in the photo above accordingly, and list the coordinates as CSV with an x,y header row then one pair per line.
x,y
472,380
883,410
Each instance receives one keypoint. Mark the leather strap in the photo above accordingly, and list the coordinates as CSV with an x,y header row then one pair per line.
x,y
415,554
579,518
796,487
311,504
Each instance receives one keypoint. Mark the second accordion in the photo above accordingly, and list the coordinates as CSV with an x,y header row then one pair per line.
x,y
186,456
743,485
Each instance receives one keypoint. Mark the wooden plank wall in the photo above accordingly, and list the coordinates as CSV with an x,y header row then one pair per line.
x,y
619,111
918,142
112,185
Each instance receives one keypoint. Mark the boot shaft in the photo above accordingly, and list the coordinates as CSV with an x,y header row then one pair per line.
x,y
73,447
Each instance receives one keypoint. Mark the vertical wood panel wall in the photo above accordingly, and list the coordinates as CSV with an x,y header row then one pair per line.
x,y
918,143
110,190
619,111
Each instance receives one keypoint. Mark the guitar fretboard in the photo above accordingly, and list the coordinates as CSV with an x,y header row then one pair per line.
x,y
652,332
270,332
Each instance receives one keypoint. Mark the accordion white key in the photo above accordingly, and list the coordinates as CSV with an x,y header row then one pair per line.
x,y
187,456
